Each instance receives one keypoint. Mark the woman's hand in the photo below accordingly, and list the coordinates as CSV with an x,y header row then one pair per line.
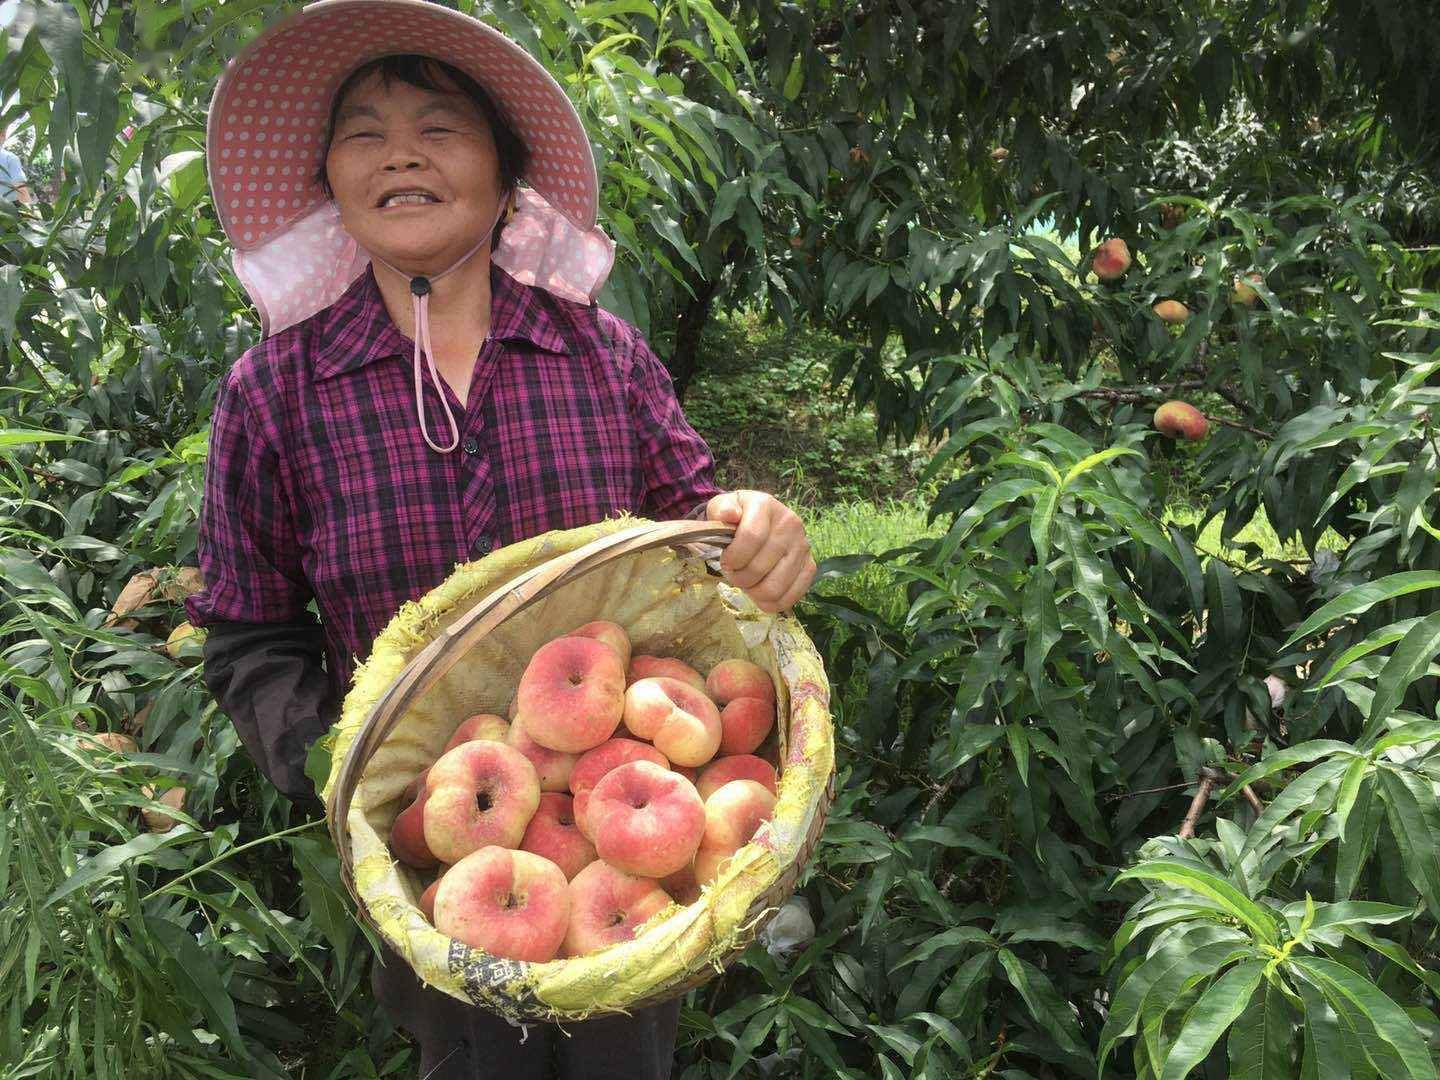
x,y
770,556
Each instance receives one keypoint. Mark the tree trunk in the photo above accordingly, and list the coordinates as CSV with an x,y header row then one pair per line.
x,y
685,361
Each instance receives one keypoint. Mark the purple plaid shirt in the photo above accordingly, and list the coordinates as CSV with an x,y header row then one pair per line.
x,y
319,484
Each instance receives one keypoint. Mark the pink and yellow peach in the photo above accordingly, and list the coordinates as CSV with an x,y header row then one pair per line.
x,y
572,694
648,667
732,679
645,820
681,721
593,764
480,726
740,767
513,904
551,766
744,725
552,832
612,634
607,906
479,794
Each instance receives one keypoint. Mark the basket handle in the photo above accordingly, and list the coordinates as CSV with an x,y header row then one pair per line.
x,y
434,662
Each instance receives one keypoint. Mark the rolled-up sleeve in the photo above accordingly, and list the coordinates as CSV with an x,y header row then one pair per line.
x,y
249,556
679,468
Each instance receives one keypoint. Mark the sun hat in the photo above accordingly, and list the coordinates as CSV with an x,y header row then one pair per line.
x,y
265,134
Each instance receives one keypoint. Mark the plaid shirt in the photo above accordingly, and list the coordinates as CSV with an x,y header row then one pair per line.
x,y
319,484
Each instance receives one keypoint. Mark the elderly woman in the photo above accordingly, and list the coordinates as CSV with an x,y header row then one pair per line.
x,y
411,200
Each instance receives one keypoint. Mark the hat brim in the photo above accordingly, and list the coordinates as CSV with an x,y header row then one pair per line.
x,y
267,120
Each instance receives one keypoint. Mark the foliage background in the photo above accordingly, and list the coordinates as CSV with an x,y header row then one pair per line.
x,y
1048,628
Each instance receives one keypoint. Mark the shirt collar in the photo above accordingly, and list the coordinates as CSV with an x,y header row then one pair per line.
x,y
357,329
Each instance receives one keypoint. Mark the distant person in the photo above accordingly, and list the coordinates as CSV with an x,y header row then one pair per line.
x,y
14,185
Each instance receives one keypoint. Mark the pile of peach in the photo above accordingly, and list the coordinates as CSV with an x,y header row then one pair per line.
x,y
619,786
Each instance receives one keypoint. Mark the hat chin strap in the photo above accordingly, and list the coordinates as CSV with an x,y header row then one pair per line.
x,y
420,286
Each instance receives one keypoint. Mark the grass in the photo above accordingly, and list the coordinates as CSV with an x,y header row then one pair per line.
x,y
764,402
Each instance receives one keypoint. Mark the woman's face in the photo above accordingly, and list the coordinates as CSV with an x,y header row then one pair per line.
x,y
436,147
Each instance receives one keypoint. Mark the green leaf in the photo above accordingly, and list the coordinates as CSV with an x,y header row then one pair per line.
x,y
958,936
1411,809
1052,1012
1206,883
1225,609
1288,758
1260,1043
110,859
1045,501
197,982
1410,660
1217,1009
1358,844
1299,794
1378,640
1342,986
1359,600
1080,468
1323,1054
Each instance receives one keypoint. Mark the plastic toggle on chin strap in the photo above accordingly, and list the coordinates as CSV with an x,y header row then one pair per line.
x,y
420,287
420,308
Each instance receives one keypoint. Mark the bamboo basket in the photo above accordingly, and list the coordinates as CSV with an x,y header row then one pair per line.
x,y
460,650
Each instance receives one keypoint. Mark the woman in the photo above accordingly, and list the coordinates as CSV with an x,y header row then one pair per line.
x,y
411,200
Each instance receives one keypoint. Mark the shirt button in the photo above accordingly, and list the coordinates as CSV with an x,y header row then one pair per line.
x,y
484,546
472,445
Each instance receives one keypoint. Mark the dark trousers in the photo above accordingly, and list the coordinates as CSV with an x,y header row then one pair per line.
x,y
462,1042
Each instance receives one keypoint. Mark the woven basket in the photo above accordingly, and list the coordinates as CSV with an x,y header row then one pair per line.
x,y
460,650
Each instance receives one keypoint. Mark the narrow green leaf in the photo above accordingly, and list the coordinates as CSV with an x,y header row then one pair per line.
x,y
1260,1043
1052,1012
109,860
197,982
1391,1024
1359,600
1411,809
1223,1001
1083,466
1410,660
1186,876
1299,794
1380,639
1045,501
1286,759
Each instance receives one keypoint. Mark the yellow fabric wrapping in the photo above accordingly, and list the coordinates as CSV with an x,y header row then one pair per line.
x,y
671,605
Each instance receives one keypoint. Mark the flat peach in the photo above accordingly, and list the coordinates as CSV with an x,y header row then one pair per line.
x,y
611,633
709,862
407,834
581,805
480,726
513,904
552,832
551,766
427,900
481,793
607,906
734,812
611,754
744,724
739,767
681,721
681,885
572,694
731,679
645,820
647,667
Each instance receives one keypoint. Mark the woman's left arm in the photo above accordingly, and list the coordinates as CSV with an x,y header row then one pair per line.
x,y
770,557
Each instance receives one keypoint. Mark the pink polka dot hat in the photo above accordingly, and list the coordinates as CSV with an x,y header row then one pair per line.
x,y
264,142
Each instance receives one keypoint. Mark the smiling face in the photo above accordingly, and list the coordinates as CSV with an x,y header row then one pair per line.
x,y
414,172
